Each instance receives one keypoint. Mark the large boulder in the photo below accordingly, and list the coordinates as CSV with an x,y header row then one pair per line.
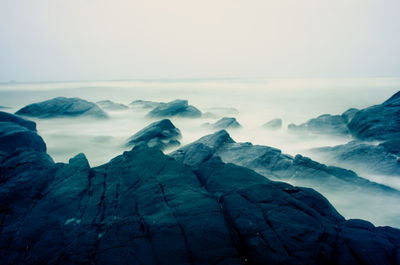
x,y
110,105
144,207
145,104
274,124
349,114
62,107
324,124
176,108
160,134
8,117
379,122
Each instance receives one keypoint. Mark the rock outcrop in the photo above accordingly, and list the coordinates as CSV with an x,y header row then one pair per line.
x,y
176,108
160,134
8,117
324,124
62,107
144,207
145,104
110,105
274,124
225,123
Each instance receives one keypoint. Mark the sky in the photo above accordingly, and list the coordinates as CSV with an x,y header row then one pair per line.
x,y
61,40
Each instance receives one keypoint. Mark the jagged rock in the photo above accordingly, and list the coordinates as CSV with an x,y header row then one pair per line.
x,y
392,146
324,124
145,104
161,134
225,123
110,105
144,207
178,108
348,115
379,122
8,117
274,124
62,107
362,157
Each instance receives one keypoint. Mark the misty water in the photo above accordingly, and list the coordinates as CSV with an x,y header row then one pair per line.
x,y
257,101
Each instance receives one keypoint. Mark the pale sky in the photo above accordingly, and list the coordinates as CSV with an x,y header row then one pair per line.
x,y
51,40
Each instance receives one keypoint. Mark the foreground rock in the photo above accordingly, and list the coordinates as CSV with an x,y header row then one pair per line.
x,y
349,114
379,122
110,105
62,107
8,117
225,123
145,104
274,124
324,124
176,108
144,207
161,134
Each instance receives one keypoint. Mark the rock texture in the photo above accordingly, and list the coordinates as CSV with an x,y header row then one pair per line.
x,y
324,124
8,117
160,134
349,114
274,124
379,122
62,107
225,123
144,207
176,108
110,105
145,104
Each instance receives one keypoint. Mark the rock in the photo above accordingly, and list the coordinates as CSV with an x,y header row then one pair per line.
x,y
176,108
379,122
161,134
363,157
225,123
4,107
274,124
145,104
110,105
144,207
324,124
8,117
62,107
221,111
392,146
348,115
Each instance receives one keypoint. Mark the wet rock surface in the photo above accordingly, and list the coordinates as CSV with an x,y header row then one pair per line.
x,y
62,107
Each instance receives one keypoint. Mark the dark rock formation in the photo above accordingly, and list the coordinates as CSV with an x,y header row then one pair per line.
x,y
144,207
363,157
62,107
145,104
225,123
348,115
274,124
379,122
8,117
110,105
178,108
161,134
324,124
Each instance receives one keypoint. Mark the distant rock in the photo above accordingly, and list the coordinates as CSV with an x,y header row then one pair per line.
x,y
176,108
325,124
363,157
348,115
222,111
110,105
62,107
210,115
3,107
274,124
161,134
225,123
8,117
145,104
379,122
144,207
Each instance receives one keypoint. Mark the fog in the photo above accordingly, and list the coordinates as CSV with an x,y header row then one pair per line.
x,y
257,100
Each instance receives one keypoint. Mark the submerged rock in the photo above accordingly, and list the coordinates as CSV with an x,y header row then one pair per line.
x,y
379,122
178,108
110,105
8,117
145,104
160,134
144,207
62,107
274,124
225,123
324,124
